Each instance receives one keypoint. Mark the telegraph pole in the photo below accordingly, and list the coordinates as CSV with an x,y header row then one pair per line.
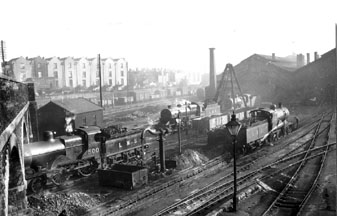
x,y
3,64
100,80
335,101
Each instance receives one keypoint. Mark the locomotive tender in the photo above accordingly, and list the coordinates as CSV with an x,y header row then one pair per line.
x,y
82,152
264,125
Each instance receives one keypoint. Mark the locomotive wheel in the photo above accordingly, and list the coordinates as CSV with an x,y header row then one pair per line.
x,y
59,178
89,170
36,185
60,175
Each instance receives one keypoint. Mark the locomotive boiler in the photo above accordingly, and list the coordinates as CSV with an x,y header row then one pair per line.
x,y
264,125
57,158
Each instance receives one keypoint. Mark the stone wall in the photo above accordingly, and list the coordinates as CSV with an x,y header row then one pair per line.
x,y
18,127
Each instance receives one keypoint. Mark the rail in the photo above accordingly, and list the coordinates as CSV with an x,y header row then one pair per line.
x,y
283,194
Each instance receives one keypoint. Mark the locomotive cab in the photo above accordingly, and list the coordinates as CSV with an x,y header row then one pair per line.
x,y
90,147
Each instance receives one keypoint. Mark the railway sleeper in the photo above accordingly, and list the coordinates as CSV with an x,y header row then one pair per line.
x,y
291,199
297,192
290,205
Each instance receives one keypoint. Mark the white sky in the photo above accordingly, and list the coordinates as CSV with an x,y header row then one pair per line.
x,y
172,34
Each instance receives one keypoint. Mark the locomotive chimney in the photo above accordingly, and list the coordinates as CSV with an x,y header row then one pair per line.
x,y
308,58
212,75
279,105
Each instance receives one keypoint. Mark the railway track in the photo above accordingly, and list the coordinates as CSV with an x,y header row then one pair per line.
x,y
219,190
187,174
297,191
109,208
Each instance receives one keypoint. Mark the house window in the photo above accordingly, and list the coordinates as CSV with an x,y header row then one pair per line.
x,y
84,83
109,65
55,74
39,74
110,73
69,65
122,72
83,65
55,65
38,65
121,66
71,83
97,73
84,74
84,120
122,80
56,83
70,74
110,81
22,66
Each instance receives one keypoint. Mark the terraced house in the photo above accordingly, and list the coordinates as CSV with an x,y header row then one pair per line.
x,y
55,72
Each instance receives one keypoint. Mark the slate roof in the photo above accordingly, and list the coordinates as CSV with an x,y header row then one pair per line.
x,y
288,63
77,106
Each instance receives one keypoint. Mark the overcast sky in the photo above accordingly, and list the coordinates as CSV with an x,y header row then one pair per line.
x,y
174,34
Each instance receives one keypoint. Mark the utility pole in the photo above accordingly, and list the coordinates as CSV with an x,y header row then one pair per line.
x,y
100,80
3,64
336,101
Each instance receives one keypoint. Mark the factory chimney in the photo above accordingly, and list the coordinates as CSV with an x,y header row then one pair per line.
x,y
212,75
308,58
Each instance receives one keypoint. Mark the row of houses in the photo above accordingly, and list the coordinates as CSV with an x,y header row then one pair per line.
x,y
71,72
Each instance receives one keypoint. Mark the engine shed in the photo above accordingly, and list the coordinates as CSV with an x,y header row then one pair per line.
x,y
80,111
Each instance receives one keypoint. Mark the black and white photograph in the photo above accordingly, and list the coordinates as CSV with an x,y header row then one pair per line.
x,y
168,108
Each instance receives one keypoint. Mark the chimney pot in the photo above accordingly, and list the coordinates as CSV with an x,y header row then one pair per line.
x,y
308,58
273,56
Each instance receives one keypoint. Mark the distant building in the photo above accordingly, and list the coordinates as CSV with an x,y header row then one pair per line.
x,y
109,72
262,75
121,69
82,69
52,116
70,72
55,70
21,68
39,67
70,75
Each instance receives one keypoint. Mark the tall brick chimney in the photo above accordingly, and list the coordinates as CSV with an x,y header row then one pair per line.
x,y
308,58
212,75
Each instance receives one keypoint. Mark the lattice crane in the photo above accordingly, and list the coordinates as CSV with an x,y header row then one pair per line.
x,y
228,76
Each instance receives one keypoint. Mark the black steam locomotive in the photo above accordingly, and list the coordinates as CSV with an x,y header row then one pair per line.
x,y
82,152
264,125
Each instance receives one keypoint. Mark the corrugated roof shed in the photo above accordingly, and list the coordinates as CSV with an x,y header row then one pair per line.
x,y
78,105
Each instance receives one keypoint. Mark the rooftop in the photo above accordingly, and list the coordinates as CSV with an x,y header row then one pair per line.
x,y
78,105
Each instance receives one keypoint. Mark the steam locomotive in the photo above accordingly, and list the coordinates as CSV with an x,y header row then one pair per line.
x,y
264,125
82,152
